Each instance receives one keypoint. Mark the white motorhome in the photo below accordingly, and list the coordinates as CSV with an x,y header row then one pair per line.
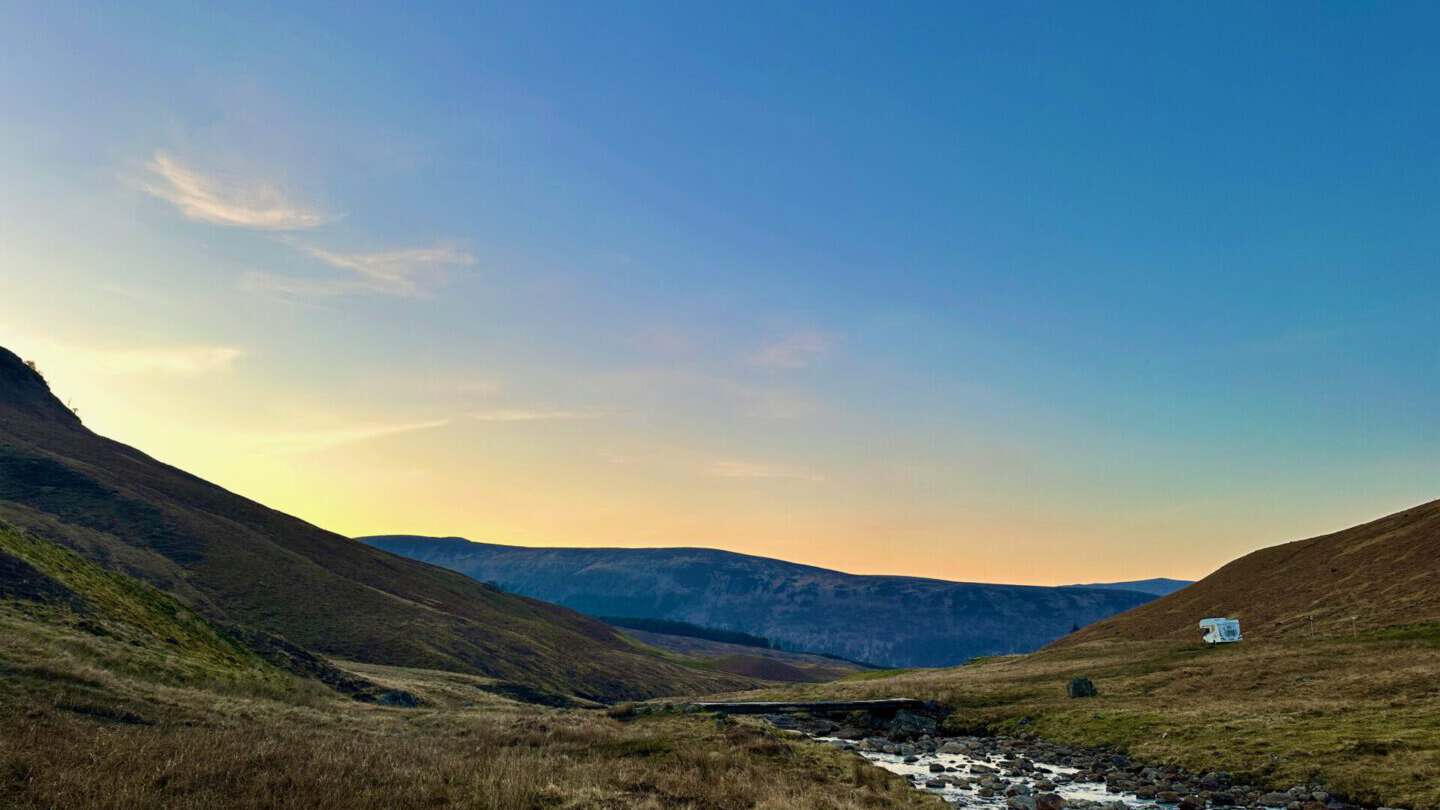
x,y
1221,631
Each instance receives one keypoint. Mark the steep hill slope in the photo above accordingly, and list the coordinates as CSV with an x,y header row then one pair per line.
x,y
893,621
239,563
1378,574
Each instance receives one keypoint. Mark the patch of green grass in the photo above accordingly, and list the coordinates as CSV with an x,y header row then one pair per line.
x,y
875,674
121,624
1427,633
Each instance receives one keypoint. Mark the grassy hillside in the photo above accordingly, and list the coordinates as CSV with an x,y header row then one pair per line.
x,y
114,696
1360,715
239,563
67,623
1352,705
886,620
1379,574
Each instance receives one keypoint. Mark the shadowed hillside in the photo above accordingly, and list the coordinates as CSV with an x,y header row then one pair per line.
x,y
239,563
885,620
1378,574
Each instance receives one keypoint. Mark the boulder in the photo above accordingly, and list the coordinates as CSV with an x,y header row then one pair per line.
x,y
1049,801
908,725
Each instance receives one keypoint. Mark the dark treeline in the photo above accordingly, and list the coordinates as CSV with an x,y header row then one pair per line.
x,y
674,628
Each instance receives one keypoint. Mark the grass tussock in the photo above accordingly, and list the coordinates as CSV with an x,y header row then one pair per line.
x,y
118,720
514,758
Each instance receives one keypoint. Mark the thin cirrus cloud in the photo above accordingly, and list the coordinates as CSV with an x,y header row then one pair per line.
x,y
308,441
795,350
407,273
757,471
234,202
258,205
527,415
161,360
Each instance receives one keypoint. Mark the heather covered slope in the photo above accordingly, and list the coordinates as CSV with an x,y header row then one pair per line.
x,y
1310,695
239,563
1378,574
885,620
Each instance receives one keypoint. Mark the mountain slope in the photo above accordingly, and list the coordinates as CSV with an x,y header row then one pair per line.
x,y
1159,586
893,621
240,563
1377,574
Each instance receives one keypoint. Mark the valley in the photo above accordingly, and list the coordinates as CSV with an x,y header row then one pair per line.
x,y
169,644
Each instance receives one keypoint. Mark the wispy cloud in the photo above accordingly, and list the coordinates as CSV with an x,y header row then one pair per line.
x,y
162,360
525,415
795,350
408,273
753,470
235,202
306,441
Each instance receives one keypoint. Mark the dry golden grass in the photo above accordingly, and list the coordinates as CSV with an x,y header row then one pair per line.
x,y
74,734
1360,714
510,759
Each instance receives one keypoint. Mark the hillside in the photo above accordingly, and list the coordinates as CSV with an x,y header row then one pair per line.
x,y
1350,706
1378,574
239,563
48,593
885,620
114,695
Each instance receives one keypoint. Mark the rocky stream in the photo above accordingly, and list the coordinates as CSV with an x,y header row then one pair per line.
x,y
1024,774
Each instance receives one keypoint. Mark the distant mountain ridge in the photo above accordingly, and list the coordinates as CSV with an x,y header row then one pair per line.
x,y
886,620
1159,586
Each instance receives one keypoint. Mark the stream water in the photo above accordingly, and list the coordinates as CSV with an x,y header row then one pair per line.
x,y
963,773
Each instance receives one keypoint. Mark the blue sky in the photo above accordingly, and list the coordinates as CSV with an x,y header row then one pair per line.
x,y
1028,292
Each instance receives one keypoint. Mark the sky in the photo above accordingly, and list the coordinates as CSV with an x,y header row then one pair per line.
x,y
1011,292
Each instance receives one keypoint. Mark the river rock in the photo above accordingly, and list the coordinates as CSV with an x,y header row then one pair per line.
x,y
908,725
1274,799
1049,801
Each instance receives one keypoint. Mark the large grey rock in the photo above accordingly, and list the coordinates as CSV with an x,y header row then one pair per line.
x,y
1082,688
1049,801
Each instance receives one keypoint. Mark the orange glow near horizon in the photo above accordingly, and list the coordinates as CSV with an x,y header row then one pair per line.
x,y
600,482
